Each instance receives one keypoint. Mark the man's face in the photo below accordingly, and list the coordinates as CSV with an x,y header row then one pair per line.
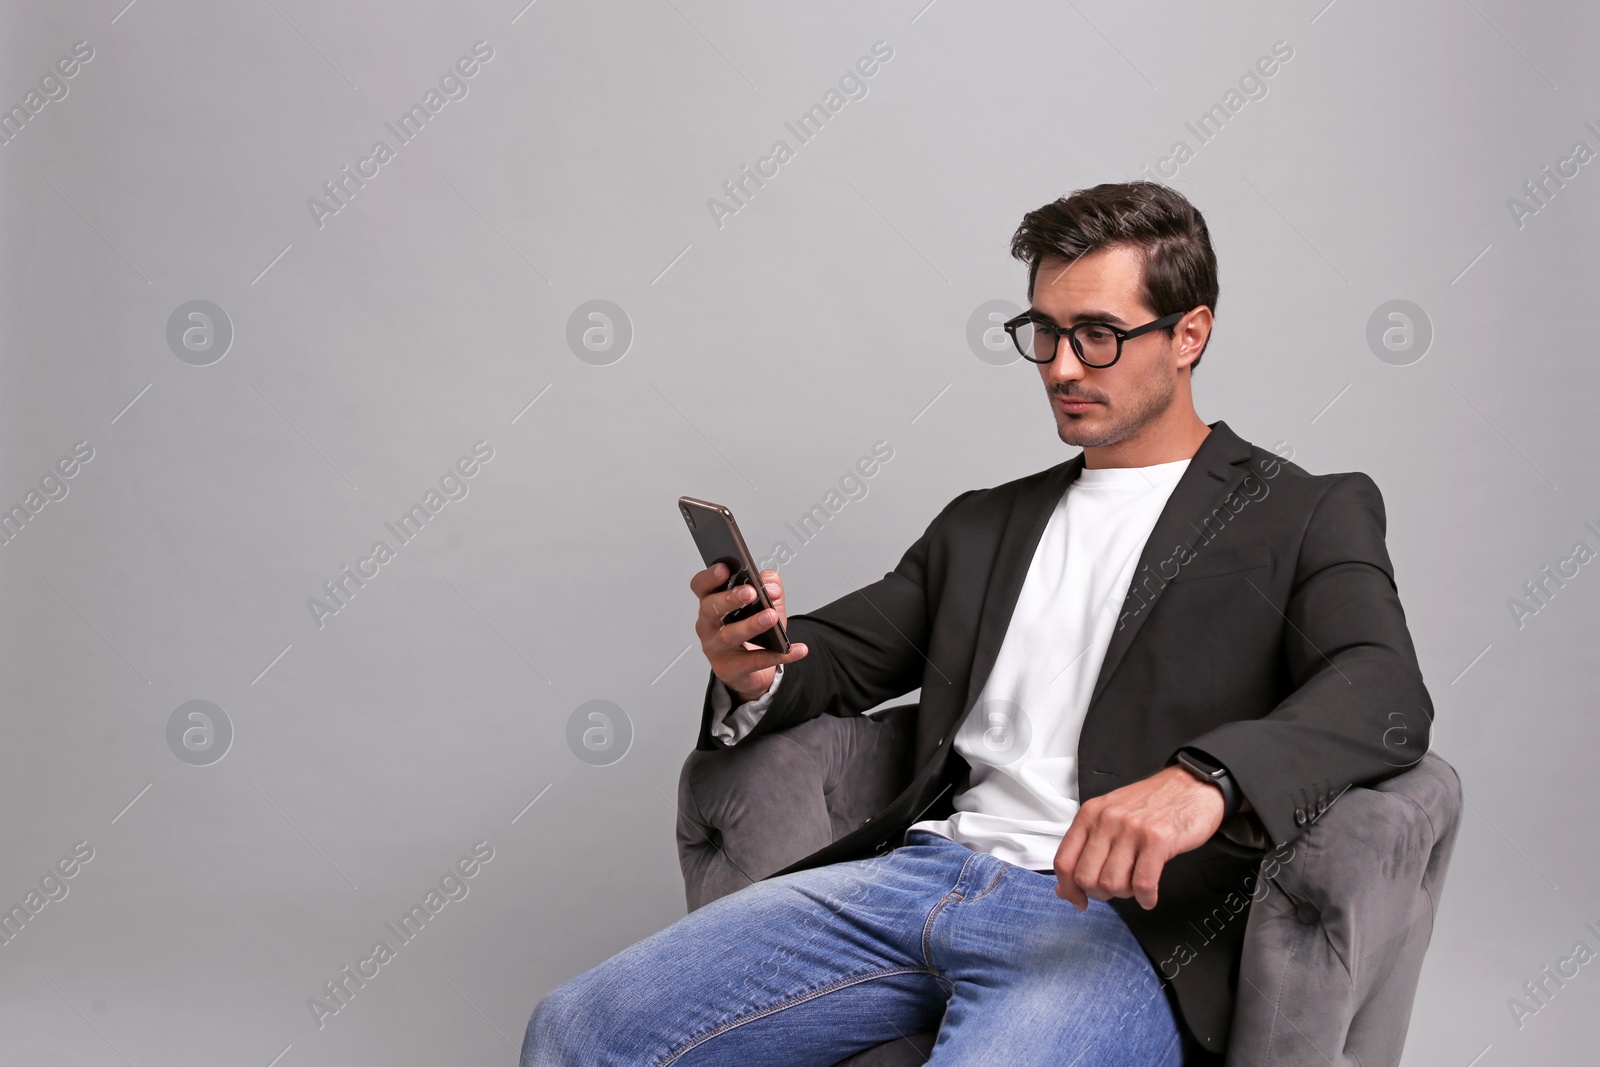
x,y
1139,387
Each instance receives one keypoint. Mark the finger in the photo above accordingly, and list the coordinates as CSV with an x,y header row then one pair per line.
x,y
777,602
1147,875
1145,888
733,599
1086,873
716,605
722,637
774,587
1117,871
708,579
759,659
735,634
714,608
1066,859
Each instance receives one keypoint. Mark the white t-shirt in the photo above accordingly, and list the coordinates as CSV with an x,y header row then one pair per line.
x,y
1021,736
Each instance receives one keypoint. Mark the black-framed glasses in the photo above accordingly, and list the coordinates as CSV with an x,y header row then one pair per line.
x,y
1097,344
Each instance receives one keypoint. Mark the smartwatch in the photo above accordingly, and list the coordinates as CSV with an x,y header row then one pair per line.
x,y
1206,769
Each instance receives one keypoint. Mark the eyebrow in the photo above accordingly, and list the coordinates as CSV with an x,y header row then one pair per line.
x,y
1088,315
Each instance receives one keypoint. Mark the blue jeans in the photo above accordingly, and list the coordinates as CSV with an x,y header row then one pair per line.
x,y
810,967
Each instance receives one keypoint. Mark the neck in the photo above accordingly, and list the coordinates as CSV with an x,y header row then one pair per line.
x,y
1162,441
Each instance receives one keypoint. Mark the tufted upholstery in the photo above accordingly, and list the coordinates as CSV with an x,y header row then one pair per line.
x,y
748,811
1333,951
1335,937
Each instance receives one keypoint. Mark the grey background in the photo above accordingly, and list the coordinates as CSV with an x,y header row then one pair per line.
x,y
768,356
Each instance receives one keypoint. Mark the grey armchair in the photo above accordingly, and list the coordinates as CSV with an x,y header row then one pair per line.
x,y
1332,949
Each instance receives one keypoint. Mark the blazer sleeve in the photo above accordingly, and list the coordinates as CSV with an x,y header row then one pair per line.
x,y
864,648
1358,711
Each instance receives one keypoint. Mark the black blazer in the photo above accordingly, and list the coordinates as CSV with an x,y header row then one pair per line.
x,y
1262,626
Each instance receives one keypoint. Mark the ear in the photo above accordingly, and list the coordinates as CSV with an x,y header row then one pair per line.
x,y
1192,334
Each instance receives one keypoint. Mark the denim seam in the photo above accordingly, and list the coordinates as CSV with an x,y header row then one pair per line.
x,y
801,998
1001,874
927,927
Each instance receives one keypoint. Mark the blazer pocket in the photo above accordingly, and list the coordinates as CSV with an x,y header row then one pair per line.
x,y
1212,563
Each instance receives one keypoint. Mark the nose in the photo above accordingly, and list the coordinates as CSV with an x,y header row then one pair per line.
x,y
1066,367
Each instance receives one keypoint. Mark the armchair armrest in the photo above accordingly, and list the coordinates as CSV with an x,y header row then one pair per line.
x,y
747,811
1334,942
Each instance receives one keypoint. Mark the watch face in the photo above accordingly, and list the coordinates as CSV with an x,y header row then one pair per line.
x,y
1202,766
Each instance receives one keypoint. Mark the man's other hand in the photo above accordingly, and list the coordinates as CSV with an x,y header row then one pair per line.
x,y
1119,842
745,668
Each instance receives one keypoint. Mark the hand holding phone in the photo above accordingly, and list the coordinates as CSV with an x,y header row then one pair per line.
x,y
742,622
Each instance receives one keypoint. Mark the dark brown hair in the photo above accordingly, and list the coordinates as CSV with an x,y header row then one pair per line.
x,y
1180,268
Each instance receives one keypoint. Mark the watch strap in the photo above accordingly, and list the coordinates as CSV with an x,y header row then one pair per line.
x,y
1206,769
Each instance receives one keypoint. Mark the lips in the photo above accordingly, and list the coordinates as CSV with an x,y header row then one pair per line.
x,y
1074,403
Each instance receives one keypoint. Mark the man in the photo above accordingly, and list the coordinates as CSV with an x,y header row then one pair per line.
x,y
1152,662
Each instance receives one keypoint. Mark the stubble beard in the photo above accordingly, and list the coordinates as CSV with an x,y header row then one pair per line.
x,y
1095,430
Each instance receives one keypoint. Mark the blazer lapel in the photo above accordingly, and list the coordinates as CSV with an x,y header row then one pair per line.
x,y
1215,471
1030,513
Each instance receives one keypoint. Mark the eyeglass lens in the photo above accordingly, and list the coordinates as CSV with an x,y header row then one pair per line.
x,y
1096,344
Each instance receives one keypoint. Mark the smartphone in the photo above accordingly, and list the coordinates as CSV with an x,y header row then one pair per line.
x,y
719,541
